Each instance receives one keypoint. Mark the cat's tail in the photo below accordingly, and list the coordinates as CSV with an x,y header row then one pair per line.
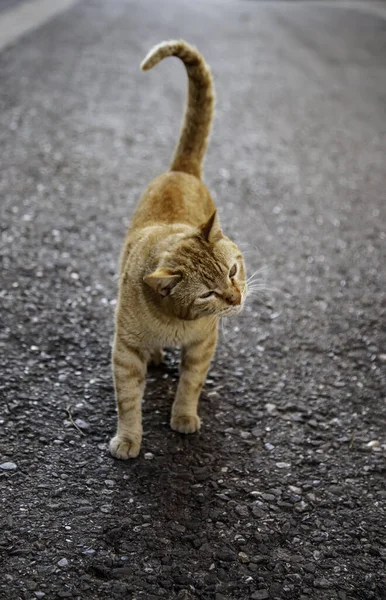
x,y
196,126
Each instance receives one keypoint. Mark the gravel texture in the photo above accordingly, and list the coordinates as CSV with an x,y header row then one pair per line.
x,y
282,495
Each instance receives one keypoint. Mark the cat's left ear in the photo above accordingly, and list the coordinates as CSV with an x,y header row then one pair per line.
x,y
162,281
211,230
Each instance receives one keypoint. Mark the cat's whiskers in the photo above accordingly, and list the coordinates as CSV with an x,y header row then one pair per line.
x,y
262,269
223,330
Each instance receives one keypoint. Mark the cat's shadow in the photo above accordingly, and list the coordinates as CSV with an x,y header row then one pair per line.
x,y
170,488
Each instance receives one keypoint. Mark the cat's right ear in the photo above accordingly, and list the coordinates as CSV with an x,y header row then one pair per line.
x,y
211,229
161,281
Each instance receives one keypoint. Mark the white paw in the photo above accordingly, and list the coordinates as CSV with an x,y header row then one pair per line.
x,y
125,447
185,423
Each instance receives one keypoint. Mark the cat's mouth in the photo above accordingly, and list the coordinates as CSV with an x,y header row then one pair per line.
x,y
232,310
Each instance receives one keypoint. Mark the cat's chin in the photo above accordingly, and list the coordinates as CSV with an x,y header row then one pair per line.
x,y
231,311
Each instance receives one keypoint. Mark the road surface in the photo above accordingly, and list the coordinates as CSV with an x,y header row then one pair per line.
x,y
282,495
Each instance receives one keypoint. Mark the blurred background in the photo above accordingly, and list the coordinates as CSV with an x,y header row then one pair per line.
x,y
282,493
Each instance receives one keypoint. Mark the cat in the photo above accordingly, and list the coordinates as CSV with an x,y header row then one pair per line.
x,y
179,273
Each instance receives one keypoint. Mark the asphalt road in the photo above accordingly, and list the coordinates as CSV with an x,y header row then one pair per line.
x,y
282,495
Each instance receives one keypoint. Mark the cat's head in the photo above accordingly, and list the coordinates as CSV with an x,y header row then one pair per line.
x,y
201,274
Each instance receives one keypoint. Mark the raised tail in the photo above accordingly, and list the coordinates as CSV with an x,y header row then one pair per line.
x,y
196,126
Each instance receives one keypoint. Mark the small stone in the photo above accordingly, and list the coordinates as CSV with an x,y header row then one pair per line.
x,y
258,512
39,594
259,558
382,358
268,497
63,562
260,595
271,408
276,590
109,483
206,548
244,558
82,424
269,446
225,555
295,489
149,456
301,506
242,511
373,444
322,583
283,465
8,466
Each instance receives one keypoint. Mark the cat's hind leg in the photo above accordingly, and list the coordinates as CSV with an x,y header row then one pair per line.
x,y
157,356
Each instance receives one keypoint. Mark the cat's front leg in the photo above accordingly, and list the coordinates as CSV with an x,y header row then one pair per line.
x,y
129,369
195,361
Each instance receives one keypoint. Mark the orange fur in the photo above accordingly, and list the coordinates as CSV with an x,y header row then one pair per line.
x,y
179,273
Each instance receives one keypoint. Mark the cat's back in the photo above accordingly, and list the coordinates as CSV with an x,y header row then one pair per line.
x,y
173,197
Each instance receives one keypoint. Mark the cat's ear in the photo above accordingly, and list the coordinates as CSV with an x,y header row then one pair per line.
x,y
211,230
162,281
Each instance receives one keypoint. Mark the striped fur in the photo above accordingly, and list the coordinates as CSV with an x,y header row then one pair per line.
x,y
175,254
195,131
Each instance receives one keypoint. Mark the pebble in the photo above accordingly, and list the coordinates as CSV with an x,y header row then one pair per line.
x,y
309,567
373,444
82,424
225,555
258,512
270,408
295,489
63,562
149,456
283,465
322,583
268,497
242,511
301,506
260,595
39,594
243,557
8,466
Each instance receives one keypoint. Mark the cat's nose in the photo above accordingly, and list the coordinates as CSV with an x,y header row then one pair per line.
x,y
233,297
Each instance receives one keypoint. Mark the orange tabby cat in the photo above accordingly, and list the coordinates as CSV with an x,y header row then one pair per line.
x,y
179,273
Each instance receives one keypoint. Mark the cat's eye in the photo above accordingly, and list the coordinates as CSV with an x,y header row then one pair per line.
x,y
233,271
207,294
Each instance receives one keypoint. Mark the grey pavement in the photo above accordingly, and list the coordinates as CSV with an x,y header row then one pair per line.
x,y
282,495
